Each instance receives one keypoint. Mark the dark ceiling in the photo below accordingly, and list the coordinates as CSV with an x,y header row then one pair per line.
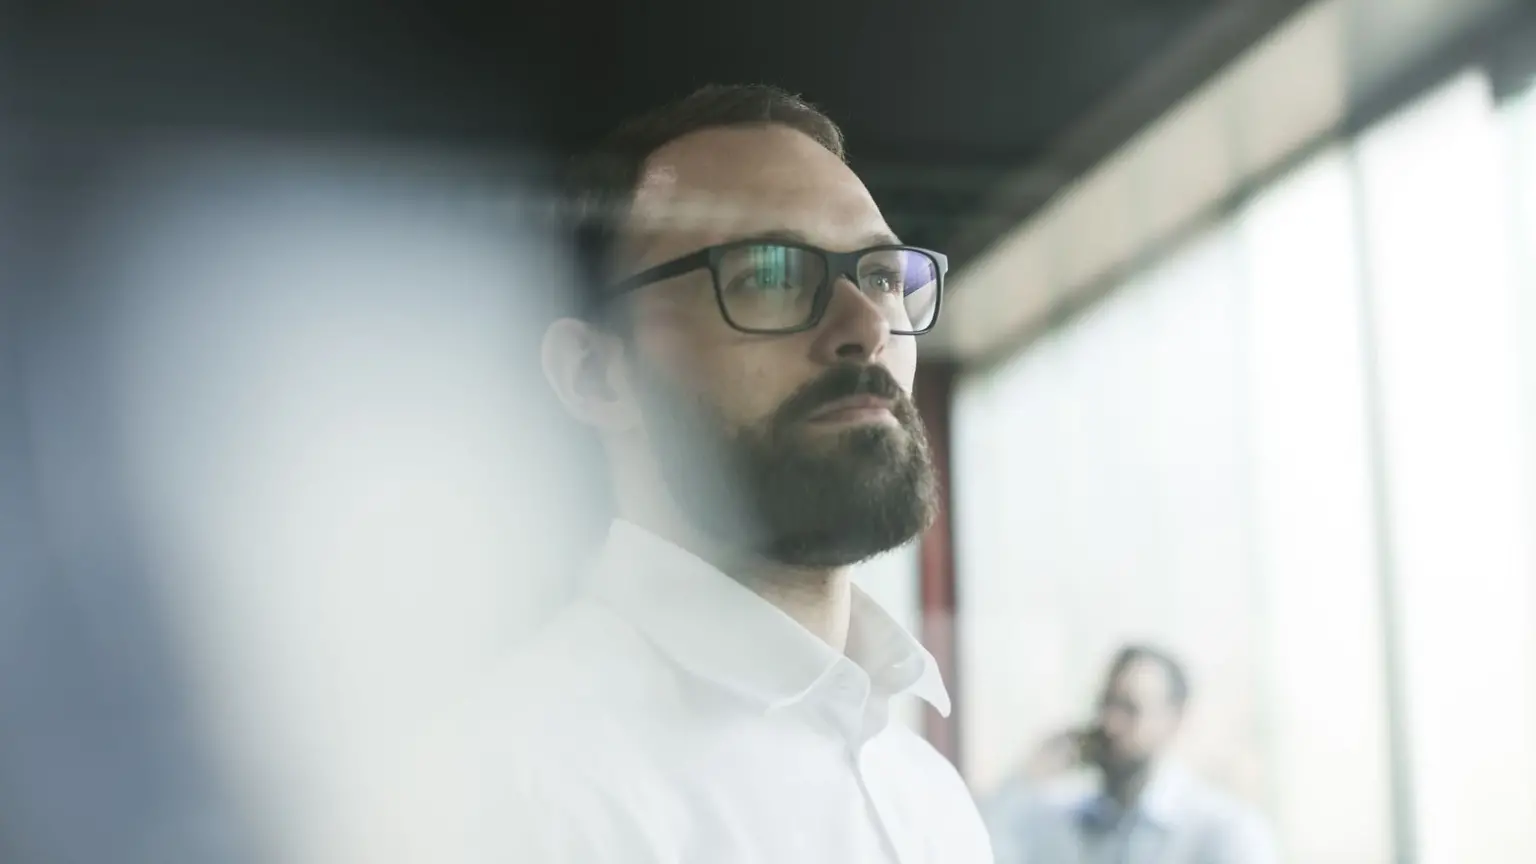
x,y
941,101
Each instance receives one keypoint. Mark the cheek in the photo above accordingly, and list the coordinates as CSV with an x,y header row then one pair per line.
x,y
1152,730
900,357
747,382
745,378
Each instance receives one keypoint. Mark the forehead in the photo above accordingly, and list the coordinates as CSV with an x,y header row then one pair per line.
x,y
1142,679
718,185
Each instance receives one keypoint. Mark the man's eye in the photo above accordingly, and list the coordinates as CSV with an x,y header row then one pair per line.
x,y
763,280
883,281
768,273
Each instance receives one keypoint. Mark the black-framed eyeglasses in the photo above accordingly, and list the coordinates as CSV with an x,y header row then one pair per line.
x,y
770,287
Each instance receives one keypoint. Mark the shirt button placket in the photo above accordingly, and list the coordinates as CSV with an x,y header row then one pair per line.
x,y
890,827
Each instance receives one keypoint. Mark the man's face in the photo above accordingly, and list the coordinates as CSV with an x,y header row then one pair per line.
x,y
747,430
1137,716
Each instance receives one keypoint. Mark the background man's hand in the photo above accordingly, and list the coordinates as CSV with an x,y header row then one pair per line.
x,y
1059,755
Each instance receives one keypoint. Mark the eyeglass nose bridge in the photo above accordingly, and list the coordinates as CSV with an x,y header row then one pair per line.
x,y
839,265
843,264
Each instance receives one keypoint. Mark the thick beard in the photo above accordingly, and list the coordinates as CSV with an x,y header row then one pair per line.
x,y
774,491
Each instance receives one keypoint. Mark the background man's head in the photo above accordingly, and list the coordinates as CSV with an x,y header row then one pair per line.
x,y
1141,708
731,430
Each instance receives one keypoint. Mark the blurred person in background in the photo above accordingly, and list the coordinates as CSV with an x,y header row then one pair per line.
x,y
721,692
1146,808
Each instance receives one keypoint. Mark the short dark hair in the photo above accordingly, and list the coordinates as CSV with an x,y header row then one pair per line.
x,y
601,183
1178,679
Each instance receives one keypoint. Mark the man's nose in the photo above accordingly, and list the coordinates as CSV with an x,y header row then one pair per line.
x,y
1114,723
854,327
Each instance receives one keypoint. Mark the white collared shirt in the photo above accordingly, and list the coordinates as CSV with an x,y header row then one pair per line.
x,y
1178,820
672,716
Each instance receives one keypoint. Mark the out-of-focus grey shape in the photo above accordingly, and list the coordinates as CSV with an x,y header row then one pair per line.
x,y
275,484
98,758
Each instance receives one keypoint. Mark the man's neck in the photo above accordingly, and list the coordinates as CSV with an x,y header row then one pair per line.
x,y
1126,788
820,600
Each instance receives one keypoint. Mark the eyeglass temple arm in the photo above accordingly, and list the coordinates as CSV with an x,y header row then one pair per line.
x,y
661,271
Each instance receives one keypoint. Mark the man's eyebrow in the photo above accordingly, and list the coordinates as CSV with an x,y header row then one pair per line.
x,y
780,235
789,235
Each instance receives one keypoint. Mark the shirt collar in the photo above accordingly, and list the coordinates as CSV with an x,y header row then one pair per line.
x,y
719,630
1163,801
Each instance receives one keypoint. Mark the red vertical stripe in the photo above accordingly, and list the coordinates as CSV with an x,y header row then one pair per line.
x,y
934,394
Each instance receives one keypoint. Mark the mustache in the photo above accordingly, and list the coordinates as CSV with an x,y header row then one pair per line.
x,y
841,382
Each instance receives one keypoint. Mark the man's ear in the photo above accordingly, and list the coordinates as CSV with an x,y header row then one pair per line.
x,y
583,364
